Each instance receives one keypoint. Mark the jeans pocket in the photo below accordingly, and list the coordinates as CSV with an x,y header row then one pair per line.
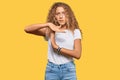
x,y
71,69
48,69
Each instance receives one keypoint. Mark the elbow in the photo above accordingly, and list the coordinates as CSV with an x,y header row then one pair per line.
x,y
78,56
26,30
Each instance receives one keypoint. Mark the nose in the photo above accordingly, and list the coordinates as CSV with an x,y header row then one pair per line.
x,y
61,16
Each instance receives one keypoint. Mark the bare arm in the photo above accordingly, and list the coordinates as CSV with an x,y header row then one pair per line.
x,y
40,29
76,52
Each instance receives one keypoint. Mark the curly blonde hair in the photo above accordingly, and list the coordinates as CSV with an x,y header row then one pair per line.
x,y
71,23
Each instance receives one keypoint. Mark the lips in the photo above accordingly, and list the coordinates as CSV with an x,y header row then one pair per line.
x,y
61,20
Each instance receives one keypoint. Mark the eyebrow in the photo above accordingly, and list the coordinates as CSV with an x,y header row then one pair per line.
x,y
61,11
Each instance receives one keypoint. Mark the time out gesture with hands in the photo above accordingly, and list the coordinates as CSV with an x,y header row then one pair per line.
x,y
55,28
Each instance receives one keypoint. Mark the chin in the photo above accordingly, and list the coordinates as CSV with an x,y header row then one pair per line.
x,y
61,24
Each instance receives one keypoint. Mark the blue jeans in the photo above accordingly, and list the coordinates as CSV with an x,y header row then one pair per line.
x,y
65,71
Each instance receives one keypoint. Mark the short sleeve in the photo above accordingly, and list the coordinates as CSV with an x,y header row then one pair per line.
x,y
77,34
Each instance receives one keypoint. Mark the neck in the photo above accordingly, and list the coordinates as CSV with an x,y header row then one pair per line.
x,y
63,27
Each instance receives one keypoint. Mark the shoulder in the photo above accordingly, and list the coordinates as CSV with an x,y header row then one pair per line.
x,y
77,31
77,34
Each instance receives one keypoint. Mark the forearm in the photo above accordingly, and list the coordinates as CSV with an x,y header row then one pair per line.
x,y
35,27
72,53
76,53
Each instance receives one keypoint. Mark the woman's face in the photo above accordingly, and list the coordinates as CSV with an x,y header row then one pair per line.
x,y
60,15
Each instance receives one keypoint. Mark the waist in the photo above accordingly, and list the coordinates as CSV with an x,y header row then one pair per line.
x,y
68,64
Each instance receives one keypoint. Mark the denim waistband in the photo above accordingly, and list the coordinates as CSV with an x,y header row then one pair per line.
x,y
68,64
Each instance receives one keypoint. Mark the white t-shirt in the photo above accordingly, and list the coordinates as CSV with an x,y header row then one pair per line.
x,y
64,40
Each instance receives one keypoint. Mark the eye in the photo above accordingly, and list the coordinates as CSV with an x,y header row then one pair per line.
x,y
63,12
57,13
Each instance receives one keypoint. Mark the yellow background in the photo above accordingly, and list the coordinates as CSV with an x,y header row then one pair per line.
x,y
24,56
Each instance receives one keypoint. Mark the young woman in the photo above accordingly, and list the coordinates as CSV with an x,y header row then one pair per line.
x,y
64,42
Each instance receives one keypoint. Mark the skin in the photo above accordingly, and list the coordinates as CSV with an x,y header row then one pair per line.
x,y
61,16
40,29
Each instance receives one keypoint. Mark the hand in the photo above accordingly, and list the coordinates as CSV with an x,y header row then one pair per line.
x,y
55,28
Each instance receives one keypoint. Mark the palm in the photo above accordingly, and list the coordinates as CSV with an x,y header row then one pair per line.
x,y
55,28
